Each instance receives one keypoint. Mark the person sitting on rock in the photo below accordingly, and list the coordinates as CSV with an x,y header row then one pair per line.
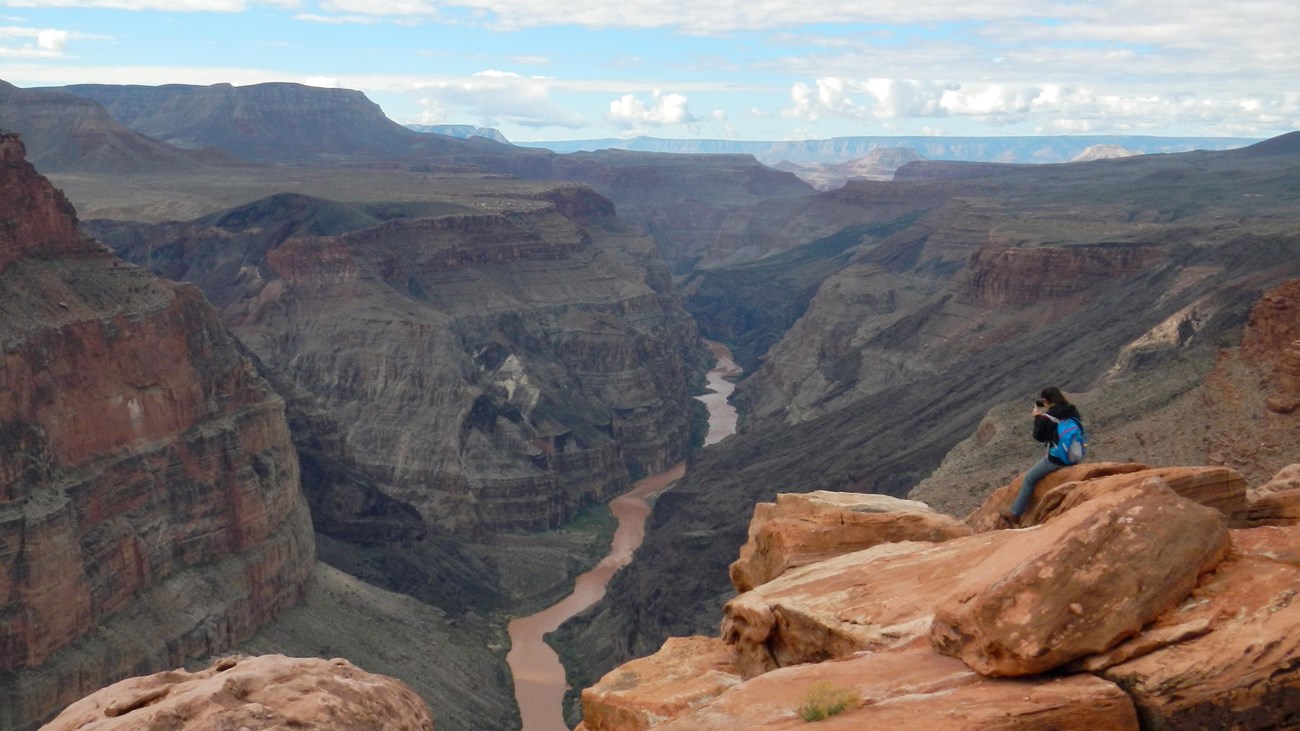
x,y
1050,407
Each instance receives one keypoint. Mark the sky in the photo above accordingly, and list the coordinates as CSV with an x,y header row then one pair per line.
x,y
713,69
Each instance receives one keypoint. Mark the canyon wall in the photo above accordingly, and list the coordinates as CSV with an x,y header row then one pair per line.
x,y
150,508
496,366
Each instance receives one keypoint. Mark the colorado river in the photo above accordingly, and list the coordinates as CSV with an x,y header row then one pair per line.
x,y
539,676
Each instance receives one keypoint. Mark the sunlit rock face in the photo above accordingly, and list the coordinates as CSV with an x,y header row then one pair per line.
x,y
150,506
266,692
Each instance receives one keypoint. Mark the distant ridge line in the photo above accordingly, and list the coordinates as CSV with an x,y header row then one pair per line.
x,y
1008,149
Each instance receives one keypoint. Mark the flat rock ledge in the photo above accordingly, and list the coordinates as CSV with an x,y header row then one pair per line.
x,y
1134,597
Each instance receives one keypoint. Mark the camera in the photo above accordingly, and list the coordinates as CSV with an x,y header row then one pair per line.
x,y
1040,403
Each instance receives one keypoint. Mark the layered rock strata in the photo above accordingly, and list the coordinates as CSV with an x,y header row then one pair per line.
x,y
150,507
495,367
1136,607
266,692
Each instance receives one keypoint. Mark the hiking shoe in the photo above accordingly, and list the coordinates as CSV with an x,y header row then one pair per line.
x,y
1010,517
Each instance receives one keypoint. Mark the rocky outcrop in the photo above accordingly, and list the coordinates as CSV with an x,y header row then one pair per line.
x,y
1220,488
1136,607
267,692
1272,343
686,672
1276,502
150,508
1095,577
799,529
1227,657
492,369
1001,276
911,688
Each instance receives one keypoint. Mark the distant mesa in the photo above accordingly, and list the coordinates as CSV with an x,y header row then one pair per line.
x,y
1103,152
879,164
835,150
62,132
460,131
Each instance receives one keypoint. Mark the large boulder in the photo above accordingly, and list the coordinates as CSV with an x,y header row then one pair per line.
x,y
873,599
1228,656
252,693
1221,488
1081,583
803,528
912,689
685,673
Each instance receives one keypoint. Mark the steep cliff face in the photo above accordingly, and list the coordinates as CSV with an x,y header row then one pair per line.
x,y
150,508
493,369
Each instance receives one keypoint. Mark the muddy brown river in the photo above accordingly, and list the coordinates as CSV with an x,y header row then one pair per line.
x,y
539,676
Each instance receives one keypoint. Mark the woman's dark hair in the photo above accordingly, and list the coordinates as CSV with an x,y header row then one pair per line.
x,y
1053,396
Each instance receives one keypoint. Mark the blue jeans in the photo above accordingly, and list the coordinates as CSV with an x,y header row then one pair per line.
x,y
1041,469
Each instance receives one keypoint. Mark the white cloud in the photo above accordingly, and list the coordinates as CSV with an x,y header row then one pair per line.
x,y
630,112
324,82
336,19
431,112
52,40
1049,108
44,43
221,6
497,96
381,7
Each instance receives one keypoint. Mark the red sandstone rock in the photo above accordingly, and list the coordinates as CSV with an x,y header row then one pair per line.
x,y
1276,502
1224,656
874,599
799,529
1081,583
986,517
47,221
1221,488
1232,659
268,692
1272,339
640,694
912,689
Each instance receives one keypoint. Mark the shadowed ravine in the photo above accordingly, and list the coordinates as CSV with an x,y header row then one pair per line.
x,y
538,674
